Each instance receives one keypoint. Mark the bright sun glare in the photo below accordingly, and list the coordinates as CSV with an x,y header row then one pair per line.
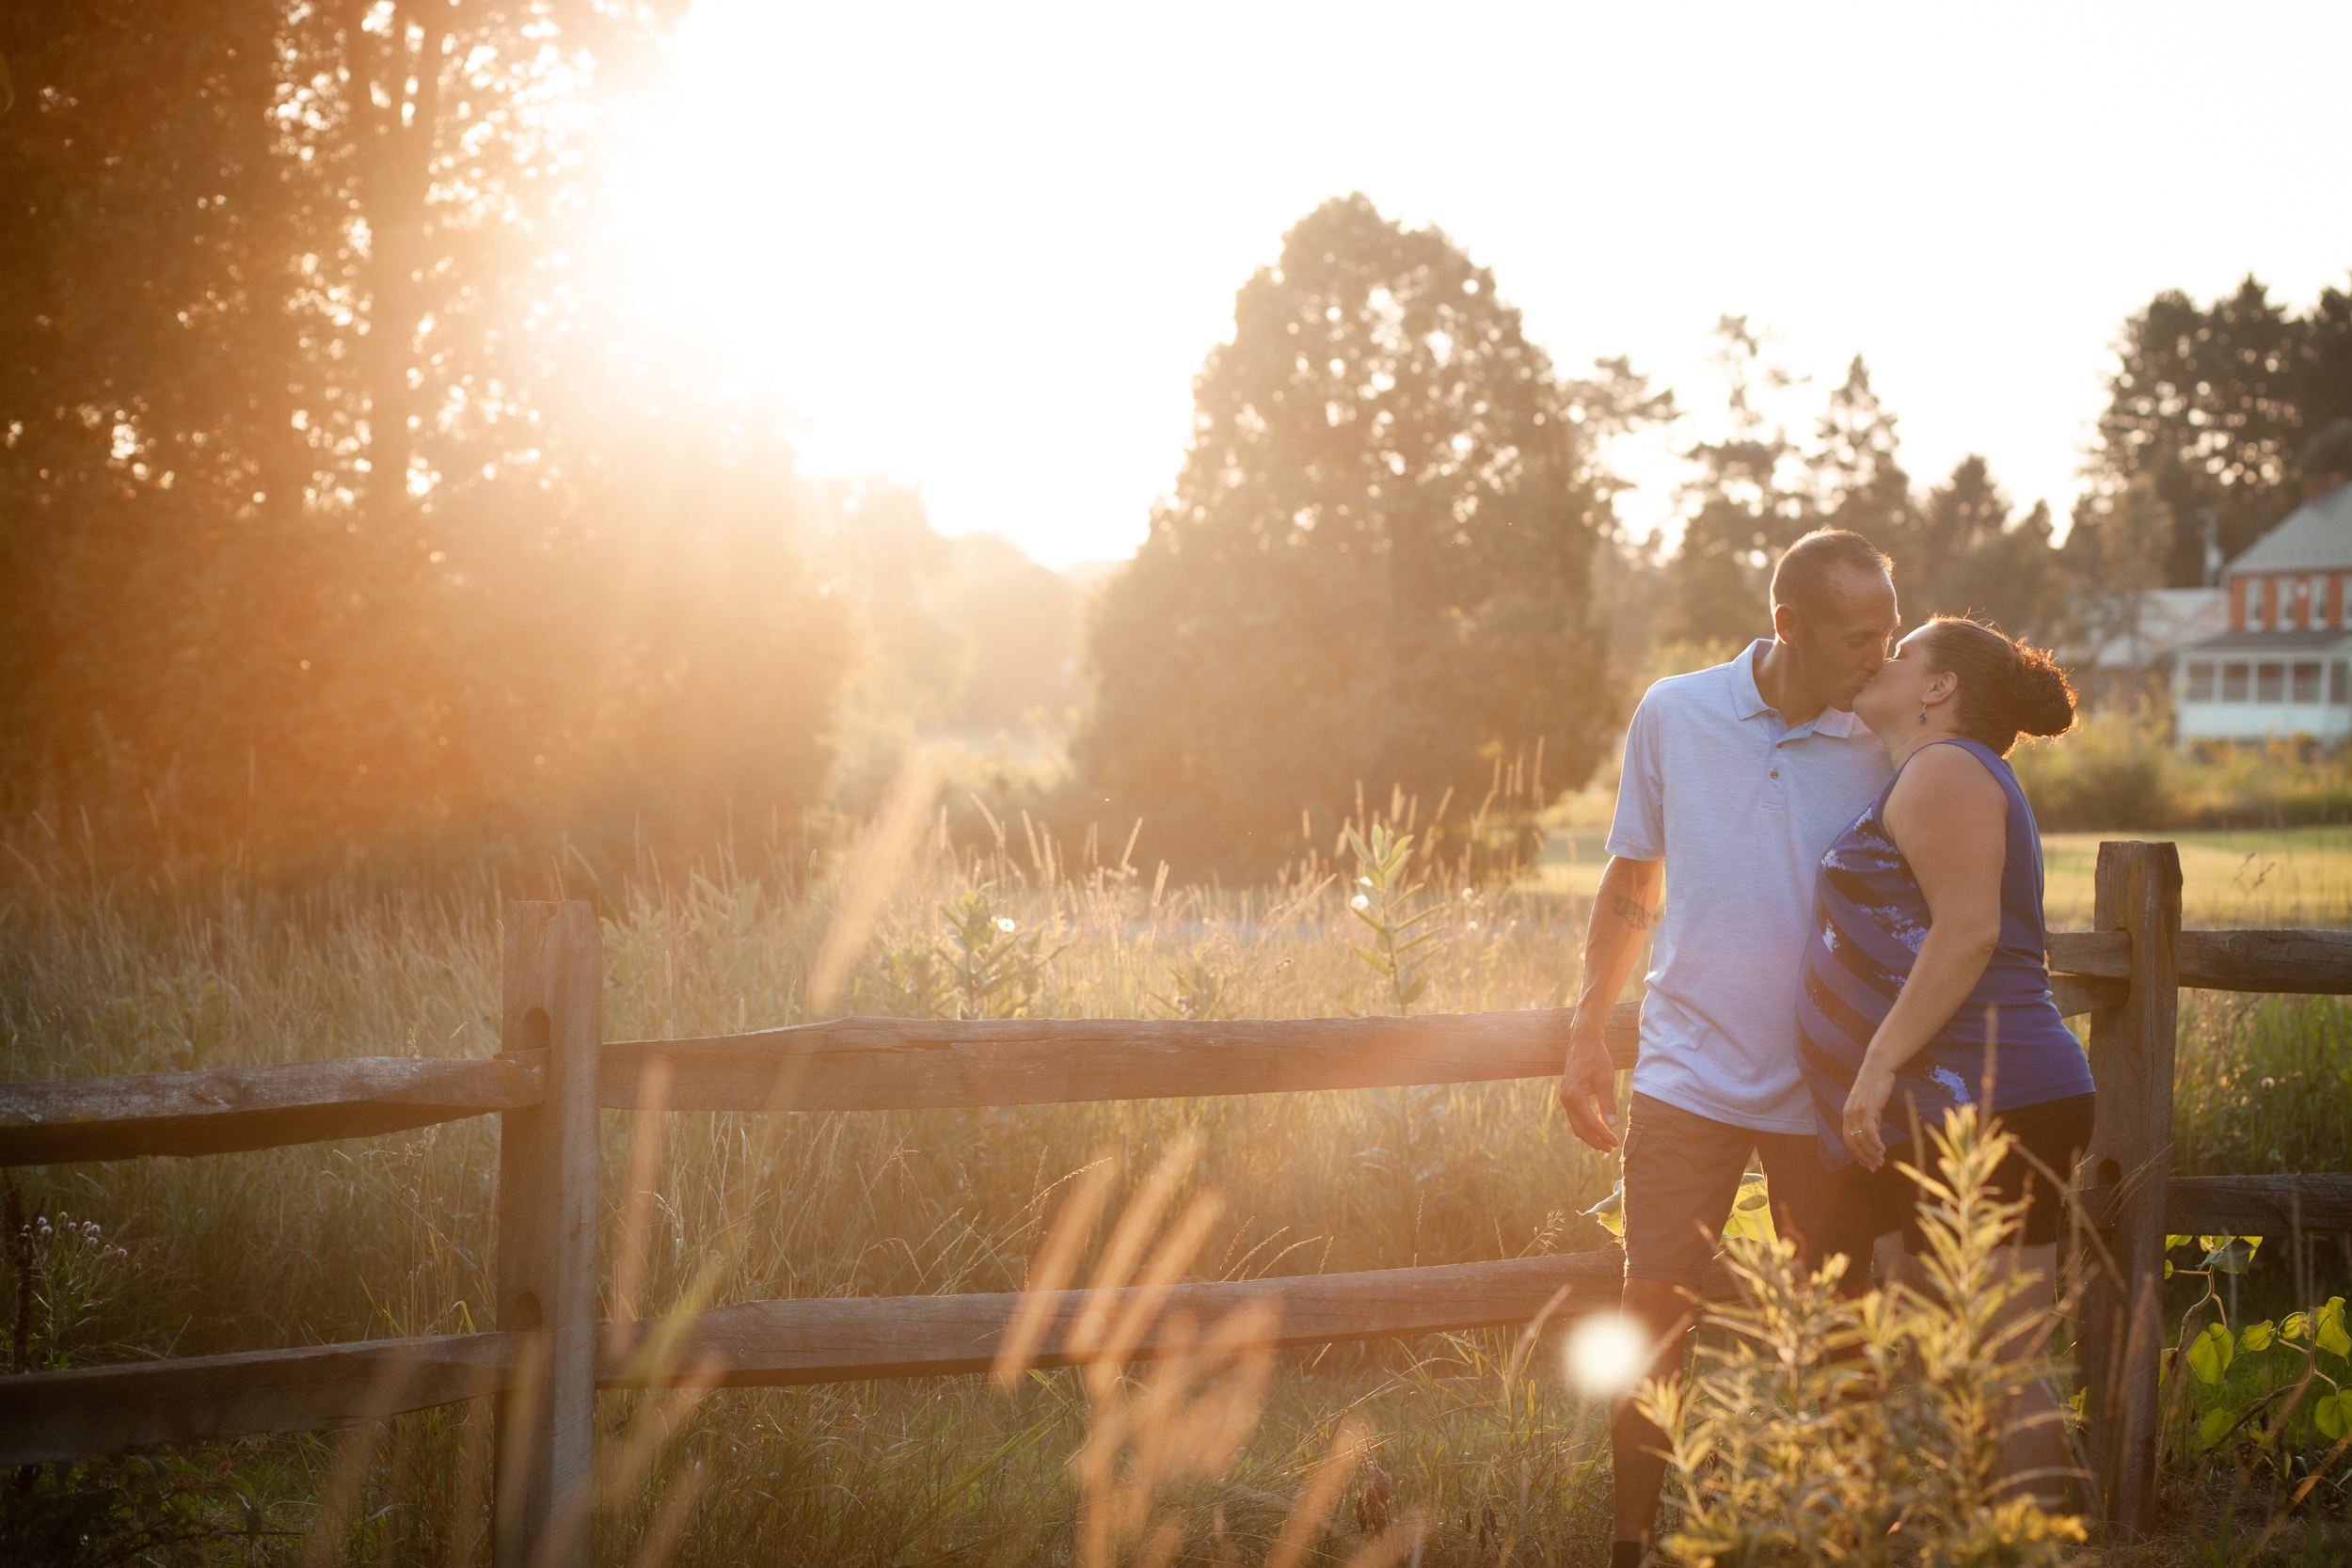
x,y
1607,1353
985,249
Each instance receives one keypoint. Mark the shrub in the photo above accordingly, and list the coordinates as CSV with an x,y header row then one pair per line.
x,y
1868,1429
2114,770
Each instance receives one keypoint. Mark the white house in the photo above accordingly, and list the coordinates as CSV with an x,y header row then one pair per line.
x,y
2167,620
2283,666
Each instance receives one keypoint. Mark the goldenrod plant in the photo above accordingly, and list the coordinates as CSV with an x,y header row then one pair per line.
x,y
1870,1429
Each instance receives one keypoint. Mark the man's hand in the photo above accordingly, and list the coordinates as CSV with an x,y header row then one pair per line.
x,y
1625,908
1588,1087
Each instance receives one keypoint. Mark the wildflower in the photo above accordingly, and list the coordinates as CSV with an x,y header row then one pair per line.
x,y
1360,902
1006,925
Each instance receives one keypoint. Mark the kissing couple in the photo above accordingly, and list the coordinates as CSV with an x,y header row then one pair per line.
x,y
1844,883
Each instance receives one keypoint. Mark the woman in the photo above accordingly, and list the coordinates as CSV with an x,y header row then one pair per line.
x,y
1926,985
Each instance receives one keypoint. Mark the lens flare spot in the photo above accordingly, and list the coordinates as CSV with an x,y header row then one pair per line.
x,y
1607,1354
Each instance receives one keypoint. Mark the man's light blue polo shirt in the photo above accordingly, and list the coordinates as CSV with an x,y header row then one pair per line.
x,y
1742,807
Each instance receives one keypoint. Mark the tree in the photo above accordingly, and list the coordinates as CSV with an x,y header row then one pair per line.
x,y
1968,554
1959,550
1749,499
1857,474
2115,553
332,507
151,483
1371,572
2211,404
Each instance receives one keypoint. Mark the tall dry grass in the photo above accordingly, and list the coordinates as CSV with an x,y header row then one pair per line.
x,y
393,1236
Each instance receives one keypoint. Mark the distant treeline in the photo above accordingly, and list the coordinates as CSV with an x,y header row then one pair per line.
x,y
342,511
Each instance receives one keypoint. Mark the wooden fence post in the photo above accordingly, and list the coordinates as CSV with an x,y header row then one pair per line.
x,y
547,1238
2121,1331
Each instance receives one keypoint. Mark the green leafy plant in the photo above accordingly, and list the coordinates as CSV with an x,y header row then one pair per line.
x,y
1196,990
986,965
1870,1429
2245,1386
1386,894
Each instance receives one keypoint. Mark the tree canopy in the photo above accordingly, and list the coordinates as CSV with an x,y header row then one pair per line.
x,y
335,507
2212,404
1960,549
1372,570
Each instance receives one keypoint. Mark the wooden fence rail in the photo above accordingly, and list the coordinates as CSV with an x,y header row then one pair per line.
x,y
853,1064
554,1073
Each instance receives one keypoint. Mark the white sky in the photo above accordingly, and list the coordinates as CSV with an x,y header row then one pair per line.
x,y
984,251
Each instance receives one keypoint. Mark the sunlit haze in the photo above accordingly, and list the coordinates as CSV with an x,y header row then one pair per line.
x,y
984,251
1606,1354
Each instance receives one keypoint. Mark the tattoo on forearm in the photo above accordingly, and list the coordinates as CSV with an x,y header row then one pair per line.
x,y
1630,912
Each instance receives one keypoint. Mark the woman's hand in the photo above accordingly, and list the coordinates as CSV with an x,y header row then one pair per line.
x,y
1872,1088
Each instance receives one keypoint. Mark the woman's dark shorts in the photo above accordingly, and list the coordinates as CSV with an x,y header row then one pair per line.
x,y
1682,1171
2054,1133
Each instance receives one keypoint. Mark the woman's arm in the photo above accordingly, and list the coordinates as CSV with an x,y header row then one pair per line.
x,y
1949,816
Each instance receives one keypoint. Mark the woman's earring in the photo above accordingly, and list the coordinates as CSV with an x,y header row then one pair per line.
x,y
1923,713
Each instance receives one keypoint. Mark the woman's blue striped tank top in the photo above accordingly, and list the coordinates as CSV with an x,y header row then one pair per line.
x,y
2005,1047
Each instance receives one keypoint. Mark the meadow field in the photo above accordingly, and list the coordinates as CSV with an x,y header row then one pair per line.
x,y
2236,877
393,1236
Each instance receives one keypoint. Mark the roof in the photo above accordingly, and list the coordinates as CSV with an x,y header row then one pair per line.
x,y
2259,642
2168,618
2316,537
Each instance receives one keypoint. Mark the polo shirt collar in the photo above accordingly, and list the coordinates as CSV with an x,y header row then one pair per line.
x,y
1747,699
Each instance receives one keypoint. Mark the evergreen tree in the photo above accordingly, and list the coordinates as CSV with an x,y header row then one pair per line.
x,y
2211,404
1969,554
1749,499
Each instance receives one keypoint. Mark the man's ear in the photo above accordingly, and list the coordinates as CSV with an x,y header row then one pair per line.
x,y
1785,622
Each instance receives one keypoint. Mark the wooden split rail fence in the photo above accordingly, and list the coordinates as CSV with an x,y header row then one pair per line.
x,y
549,1354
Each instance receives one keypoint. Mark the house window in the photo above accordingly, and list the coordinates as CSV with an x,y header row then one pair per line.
x,y
2201,682
2339,688
2270,683
2233,683
2307,682
2300,617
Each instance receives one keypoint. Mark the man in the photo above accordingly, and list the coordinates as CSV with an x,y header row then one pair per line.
x,y
1736,781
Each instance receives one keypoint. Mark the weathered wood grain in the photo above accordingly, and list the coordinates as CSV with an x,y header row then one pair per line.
x,y
2086,993
847,1340
2122,1320
882,1064
2294,963
886,1064
552,979
2102,952
227,1109
53,1415
207,1399
2283,962
2265,1206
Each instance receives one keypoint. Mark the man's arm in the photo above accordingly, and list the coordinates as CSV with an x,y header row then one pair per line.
x,y
1623,912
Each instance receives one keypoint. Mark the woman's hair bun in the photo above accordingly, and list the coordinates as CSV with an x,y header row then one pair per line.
x,y
2041,698
2006,687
